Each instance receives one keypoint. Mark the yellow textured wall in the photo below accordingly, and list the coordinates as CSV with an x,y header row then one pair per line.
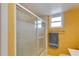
x,y
10,29
69,35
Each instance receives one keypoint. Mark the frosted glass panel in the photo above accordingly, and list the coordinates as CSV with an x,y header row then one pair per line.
x,y
56,24
26,35
56,19
41,38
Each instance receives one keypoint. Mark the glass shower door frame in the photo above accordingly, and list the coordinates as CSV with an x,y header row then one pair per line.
x,y
16,35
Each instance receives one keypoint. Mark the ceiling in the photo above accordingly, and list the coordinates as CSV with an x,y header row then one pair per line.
x,y
43,9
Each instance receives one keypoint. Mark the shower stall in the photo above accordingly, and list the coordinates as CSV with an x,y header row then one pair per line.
x,y
30,33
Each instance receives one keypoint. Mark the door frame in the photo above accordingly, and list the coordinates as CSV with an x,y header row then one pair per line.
x,y
4,29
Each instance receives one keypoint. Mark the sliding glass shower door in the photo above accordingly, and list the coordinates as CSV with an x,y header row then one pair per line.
x,y
30,34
